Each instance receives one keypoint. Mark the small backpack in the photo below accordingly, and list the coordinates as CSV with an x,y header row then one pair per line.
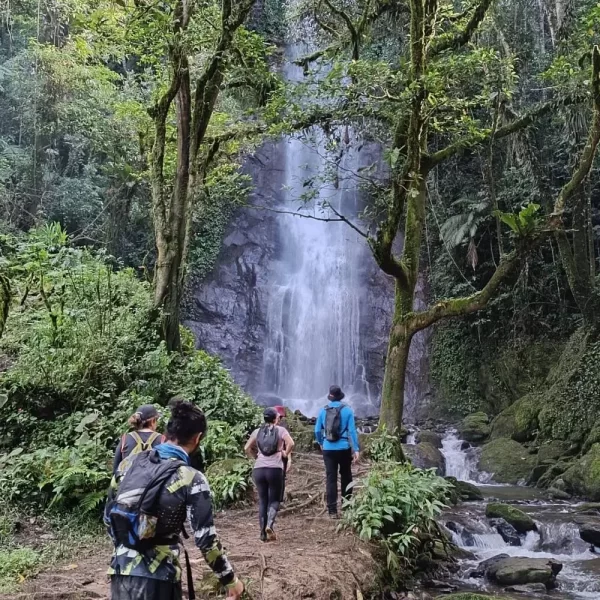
x,y
267,440
140,445
133,514
333,423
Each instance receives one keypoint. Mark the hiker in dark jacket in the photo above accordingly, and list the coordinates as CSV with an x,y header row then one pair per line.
x,y
143,437
154,572
335,431
269,444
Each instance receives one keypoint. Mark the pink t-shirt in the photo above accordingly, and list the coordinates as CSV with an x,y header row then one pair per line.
x,y
275,460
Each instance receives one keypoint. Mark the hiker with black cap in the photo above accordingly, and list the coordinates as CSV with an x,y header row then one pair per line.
x,y
143,437
269,445
335,431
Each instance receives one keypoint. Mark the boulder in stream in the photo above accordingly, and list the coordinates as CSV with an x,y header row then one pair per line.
x,y
425,456
519,421
509,571
530,588
507,460
583,478
508,533
435,439
475,427
467,492
521,521
590,533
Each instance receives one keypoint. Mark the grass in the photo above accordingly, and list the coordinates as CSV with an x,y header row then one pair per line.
x,y
26,550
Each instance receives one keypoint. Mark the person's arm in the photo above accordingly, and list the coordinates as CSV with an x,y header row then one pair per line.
x,y
352,432
319,429
118,456
288,444
251,449
205,535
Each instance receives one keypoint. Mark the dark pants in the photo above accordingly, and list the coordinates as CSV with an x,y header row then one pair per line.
x,y
269,482
337,460
124,587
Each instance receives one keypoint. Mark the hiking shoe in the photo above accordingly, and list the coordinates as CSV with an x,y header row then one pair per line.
x,y
271,535
334,516
263,536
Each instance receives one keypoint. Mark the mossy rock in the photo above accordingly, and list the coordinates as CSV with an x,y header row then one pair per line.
x,y
435,439
425,456
572,402
519,420
552,473
475,428
464,491
583,478
521,521
506,460
592,438
225,466
552,451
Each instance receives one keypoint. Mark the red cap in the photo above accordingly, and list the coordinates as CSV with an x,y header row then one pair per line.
x,y
280,410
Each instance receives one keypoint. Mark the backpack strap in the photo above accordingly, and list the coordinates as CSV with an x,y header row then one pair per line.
x,y
147,445
139,443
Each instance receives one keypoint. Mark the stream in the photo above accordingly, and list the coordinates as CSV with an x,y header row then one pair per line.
x,y
557,536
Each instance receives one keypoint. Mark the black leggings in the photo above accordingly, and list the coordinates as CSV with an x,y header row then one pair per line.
x,y
269,482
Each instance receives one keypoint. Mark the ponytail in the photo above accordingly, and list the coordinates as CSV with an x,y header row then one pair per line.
x,y
135,421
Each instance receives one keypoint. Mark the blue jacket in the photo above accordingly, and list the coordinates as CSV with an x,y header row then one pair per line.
x,y
348,429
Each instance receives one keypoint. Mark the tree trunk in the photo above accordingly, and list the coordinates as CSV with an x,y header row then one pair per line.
x,y
392,395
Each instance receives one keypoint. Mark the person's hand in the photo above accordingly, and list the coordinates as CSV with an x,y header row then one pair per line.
x,y
236,591
356,457
289,464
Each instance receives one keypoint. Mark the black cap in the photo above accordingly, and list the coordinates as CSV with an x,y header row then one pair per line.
x,y
147,412
335,393
270,414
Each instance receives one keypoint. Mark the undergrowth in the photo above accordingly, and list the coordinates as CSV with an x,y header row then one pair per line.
x,y
395,505
81,351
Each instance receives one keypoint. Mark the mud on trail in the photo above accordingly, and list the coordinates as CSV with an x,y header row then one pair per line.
x,y
309,560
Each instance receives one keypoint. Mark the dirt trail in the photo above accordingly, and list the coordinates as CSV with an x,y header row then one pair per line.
x,y
309,559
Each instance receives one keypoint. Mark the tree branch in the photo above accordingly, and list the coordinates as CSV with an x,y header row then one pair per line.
x,y
339,217
468,142
351,28
464,37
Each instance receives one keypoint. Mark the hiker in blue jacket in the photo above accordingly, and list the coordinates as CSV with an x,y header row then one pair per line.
x,y
335,431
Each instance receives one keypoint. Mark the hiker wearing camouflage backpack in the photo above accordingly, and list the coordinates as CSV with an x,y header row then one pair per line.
x,y
143,437
270,445
335,431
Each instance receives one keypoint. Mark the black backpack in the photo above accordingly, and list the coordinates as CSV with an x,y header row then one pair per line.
x,y
333,423
267,440
133,513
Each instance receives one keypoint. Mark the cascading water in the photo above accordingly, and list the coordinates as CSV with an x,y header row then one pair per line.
x,y
314,316
557,534
461,460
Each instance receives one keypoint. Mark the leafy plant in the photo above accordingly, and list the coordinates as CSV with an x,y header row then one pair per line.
x,y
524,222
17,564
396,505
385,447
230,483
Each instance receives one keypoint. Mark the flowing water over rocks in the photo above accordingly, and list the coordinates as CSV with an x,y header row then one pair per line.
x,y
557,536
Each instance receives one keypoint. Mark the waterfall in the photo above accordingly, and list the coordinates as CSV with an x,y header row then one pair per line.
x,y
462,463
314,306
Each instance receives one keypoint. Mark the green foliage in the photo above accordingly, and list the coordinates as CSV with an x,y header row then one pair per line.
x,y
454,370
82,352
17,564
230,481
523,223
385,447
396,505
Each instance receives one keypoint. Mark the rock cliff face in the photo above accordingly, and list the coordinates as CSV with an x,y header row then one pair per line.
x,y
228,311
